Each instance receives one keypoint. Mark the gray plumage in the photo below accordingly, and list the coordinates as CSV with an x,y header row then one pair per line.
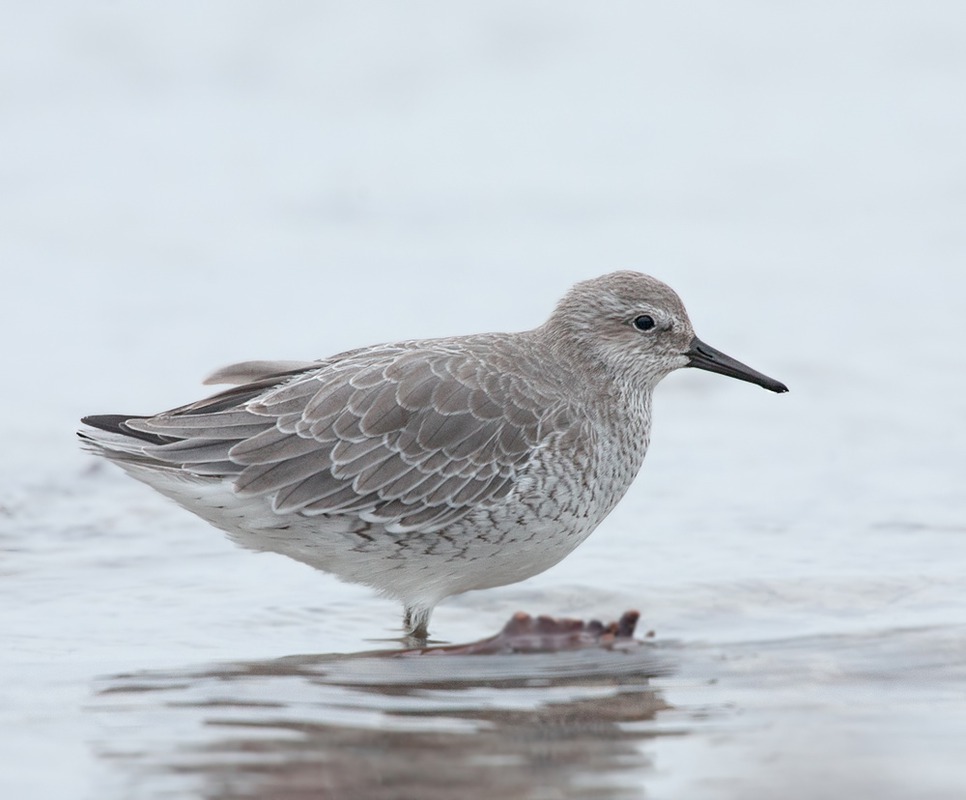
x,y
428,468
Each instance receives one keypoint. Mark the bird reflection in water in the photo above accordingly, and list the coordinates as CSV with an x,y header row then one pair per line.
x,y
546,708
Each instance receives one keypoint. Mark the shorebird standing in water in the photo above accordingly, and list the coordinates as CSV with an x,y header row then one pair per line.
x,y
429,468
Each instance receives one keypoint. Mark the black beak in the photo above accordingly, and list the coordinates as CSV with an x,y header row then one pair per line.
x,y
706,357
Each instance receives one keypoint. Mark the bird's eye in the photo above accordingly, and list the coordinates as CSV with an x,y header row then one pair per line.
x,y
644,322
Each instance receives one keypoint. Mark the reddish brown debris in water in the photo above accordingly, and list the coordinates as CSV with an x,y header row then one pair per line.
x,y
526,634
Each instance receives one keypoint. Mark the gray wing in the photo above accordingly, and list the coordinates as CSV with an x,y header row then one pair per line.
x,y
409,437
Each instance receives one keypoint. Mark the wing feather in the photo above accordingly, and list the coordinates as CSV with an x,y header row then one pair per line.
x,y
317,489
346,452
248,371
414,436
272,476
190,451
270,446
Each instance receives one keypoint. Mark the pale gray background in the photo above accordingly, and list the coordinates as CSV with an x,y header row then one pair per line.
x,y
183,185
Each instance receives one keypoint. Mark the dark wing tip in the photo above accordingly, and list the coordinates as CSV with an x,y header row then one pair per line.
x,y
112,423
117,423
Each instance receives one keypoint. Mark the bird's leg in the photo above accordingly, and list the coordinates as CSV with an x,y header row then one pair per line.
x,y
416,622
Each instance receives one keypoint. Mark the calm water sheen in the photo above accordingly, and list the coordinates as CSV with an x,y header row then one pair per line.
x,y
199,186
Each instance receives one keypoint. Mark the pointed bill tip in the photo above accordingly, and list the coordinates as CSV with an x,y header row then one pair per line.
x,y
703,356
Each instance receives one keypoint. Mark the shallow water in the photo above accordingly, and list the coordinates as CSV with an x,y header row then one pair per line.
x,y
181,200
